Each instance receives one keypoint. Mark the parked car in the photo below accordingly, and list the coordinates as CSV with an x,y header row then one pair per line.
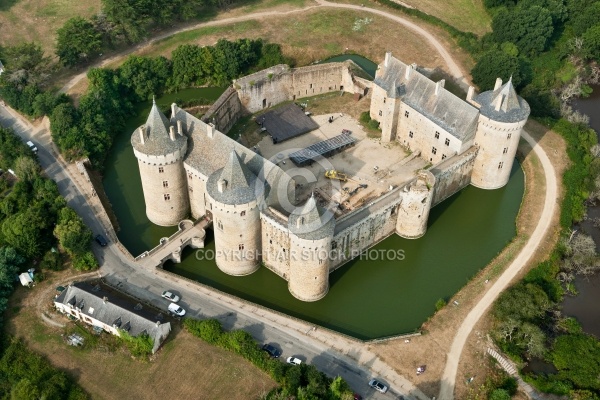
x,y
177,310
380,387
170,296
294,361
31,146
101,241
273,352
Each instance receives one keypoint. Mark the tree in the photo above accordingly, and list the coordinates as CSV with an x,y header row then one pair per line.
x,y
26,168
77,41
27,56
528,28
23,231
498,3
85,262
582,21
145,76
577,357
591,43
499,394
10,261
522,302
498,64
24,390
72,234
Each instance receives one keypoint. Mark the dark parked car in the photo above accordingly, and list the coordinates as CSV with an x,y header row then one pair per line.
x,y
273,352
101,241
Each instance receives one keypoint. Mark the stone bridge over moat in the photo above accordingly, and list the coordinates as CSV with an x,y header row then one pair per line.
x,y
189,233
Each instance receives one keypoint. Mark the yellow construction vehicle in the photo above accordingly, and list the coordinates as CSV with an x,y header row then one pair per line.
x,y
333,174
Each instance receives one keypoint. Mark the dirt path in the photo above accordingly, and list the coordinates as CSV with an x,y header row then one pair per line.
x,y
541,230
453,67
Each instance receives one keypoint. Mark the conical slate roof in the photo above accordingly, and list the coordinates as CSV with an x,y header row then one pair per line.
x,y
156,135
503,104
311,221
239,183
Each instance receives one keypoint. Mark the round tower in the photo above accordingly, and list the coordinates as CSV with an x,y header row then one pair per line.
x,y
160,146
311,234
502,117
233,202
413,210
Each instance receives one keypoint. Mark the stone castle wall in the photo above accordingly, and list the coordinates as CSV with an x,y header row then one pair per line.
x,y
453,174
498,143
280,83
165,190
416,200
309,268
225,112
196,183
275,242
237,236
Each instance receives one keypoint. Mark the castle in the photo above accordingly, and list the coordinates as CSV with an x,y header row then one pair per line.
x,y
189,166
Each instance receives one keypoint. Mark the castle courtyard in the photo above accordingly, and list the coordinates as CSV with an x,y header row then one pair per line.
x,y
369,161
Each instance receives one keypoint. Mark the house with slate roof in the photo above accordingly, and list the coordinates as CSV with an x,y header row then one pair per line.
x,y
114,313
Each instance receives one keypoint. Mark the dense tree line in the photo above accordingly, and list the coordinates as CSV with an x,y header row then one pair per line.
x,y
88,130
125,22
296,381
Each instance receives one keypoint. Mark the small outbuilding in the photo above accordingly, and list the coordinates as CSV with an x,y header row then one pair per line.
x,y
26,279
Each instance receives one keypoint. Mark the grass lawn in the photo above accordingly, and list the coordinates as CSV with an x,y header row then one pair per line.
x,y
38,20
466,15
184,368
315,35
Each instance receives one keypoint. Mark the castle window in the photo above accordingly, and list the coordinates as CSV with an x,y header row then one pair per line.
x,y
191,189
500,164
220,225
270,241
505,150
437,135
447,142
433,150
333,245
241,246
443,156
190,177
310,86
380,113
406,114
509,135
410,134
167,197
243,213
161,170
165,184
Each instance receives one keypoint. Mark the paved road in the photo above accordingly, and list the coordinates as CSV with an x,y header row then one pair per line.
x,y
329,353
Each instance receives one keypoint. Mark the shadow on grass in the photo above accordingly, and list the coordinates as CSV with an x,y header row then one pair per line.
x,y
6,5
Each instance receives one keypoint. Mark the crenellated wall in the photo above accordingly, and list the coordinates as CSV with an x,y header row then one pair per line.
x,y
225,112
453,174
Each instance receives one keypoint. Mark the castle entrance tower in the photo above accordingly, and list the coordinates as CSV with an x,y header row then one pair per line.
x,y
413,210
233,197
502,117
160,147
311,232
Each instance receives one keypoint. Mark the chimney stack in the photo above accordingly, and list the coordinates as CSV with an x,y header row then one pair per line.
x,y
104,299
409,70
172,133
470,94
388,56
210,130
142,135
498,84
221,185
173,106
499,102
439,85
179,128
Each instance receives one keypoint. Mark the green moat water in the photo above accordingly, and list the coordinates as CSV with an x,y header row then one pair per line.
x,y
368,298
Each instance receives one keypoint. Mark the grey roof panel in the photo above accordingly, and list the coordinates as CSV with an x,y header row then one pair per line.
x,y
511,107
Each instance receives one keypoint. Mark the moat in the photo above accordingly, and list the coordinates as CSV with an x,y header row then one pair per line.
x,y
368,298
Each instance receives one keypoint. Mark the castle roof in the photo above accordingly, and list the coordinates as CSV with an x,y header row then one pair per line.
x,y
503,104
114,310
429,98
205,154
234,183
157,141
311,222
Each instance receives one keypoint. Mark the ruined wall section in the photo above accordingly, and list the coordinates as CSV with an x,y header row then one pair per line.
x,y
453,174
277,84
225,112
415,203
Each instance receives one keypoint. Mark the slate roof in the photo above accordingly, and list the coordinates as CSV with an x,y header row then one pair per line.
x,y
157,142
287,122
453,114
208,154
241,184
315,222
115,311
512,107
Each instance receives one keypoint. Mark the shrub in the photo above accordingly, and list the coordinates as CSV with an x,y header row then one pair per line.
x,y
441,303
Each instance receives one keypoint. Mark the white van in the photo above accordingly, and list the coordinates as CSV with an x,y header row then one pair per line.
x,y
32,146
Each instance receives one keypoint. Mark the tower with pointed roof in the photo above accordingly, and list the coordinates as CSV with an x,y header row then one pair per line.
x,y
160,147
311,233
503,115
234,197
